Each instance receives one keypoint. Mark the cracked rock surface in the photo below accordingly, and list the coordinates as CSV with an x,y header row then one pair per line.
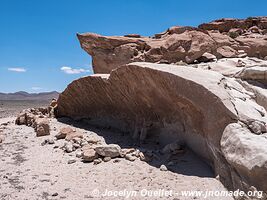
x,y
193,104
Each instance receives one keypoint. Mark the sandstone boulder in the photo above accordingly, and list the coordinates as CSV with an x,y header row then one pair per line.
x,y
207,57
42,127
246,154
68,134
26,117
226,52
111,150
89,154
258,73
163,101
64,132
72,135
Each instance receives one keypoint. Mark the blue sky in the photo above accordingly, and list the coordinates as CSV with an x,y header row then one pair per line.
x,y
39,50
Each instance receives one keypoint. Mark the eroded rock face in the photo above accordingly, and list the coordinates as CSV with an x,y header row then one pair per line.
x,y
247,157
222,38
194,104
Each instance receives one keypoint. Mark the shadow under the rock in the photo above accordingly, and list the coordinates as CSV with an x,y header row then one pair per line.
x,y
187,163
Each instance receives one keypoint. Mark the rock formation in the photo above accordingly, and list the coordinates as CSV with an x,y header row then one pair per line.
x,y
36,118
195,104
217,109
222,38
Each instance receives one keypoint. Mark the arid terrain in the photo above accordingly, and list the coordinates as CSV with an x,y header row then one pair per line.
x,y
12,103
30,170
9,108
178,115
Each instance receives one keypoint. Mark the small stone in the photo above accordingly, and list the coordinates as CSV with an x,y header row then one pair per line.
x,y
76,146
116,160
207,57
142,156
111,150
163,168
258,127
76,134
71,161
68,147
240,63
89,154
127,151
106,159
63,132
50,141
83,143
130,157
44,143
77,140
97,161
54,194
93,139
79,154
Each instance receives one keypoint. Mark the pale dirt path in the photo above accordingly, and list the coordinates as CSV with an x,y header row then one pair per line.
x,y
29,171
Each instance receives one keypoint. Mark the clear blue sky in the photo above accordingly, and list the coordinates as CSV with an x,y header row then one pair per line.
x,y
38,37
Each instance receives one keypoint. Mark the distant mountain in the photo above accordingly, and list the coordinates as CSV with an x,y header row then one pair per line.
x,y
21,95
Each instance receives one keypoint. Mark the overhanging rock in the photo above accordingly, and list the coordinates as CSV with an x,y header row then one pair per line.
x,y
194,104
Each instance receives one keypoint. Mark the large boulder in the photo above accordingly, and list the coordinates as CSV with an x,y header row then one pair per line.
x,y
109,52
256,73
247,155
222,38
193,104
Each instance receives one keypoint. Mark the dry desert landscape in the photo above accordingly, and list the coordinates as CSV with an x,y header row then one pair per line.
x,y
178,115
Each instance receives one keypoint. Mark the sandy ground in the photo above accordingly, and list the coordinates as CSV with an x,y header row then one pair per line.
x,y
10,108
31,171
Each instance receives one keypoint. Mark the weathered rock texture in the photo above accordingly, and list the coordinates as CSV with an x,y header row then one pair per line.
x,y
196,105
222,38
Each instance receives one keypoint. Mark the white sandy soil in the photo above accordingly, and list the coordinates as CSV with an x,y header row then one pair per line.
x,y
30,171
